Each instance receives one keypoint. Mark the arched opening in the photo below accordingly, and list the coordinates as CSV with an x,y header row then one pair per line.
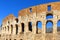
x,y
30,26
5,28
16,20
10,39
8,28
14,39
49,26
6,39
58,25
21,39
11,29
49,16
8,22
22,24
38,27
16,29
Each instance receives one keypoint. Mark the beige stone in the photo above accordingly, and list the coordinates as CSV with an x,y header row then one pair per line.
x,y
18,28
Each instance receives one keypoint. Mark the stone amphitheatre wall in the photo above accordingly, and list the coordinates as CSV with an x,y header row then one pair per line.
x,y
17,28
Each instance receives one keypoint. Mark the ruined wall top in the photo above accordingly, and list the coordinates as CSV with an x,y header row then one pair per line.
x,y
35,9
40,8
11,16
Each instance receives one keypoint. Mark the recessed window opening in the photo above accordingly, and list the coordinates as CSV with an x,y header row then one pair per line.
x,y
49,8
5,28
8,28
21,39
0,35
16,20
49,26
22,24
39,27
6,39
30,9
58,25
49,16
8,22
16,29
10,39
14,39
30,26
11,28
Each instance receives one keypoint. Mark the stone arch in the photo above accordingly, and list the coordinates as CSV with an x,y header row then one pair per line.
x,y
22,25
30,26
49,16
16,28
38,26
49,26
58,25
11,28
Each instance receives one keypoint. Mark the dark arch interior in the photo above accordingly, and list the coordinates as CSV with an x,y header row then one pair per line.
x,y
11,28
8,28
38,26
22,24
8,22
21,39
16,20
10,39
5,28
49,16
49,26
16,28
14,39
30,26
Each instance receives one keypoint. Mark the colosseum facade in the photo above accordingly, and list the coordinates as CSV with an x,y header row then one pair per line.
x,y
25,26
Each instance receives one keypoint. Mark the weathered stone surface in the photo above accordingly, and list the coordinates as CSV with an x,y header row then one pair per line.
x,y
18,29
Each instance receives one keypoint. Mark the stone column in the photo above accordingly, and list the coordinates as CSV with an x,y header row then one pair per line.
x,y
14,29
54,27
26,27
9,29
34,27
19,28
43,29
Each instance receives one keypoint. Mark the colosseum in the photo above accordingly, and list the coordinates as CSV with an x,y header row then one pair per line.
x,y
24,27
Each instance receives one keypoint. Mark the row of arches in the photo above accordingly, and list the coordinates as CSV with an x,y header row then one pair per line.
x,y
48,16
49,26
12,28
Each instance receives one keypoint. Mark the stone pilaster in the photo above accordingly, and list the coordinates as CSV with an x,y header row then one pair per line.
x,y
54,28
14,29
34,27
26,27
43,29
9,29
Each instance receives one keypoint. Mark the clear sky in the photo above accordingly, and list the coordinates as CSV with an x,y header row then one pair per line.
x,y
13,6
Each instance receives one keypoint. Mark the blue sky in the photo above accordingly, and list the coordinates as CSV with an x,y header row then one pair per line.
x,y
13,6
